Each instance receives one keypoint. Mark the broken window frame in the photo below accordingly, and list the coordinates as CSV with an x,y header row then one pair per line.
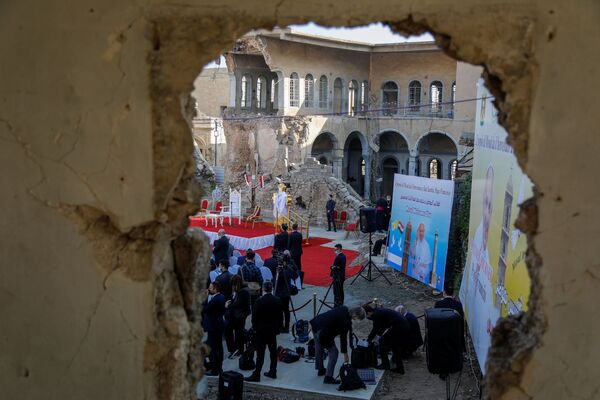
x,y
246,91
352,97
434,168
436,96
389,90
261,92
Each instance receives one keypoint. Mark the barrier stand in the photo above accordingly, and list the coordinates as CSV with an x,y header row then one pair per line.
x,y
314,304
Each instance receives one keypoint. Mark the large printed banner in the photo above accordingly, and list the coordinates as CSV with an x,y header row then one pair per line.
x,y
495,281
419,227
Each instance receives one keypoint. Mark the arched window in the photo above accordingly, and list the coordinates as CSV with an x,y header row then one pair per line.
x,y
435,169
389,98
294,90
274,88
414,95
309,91
261,92
352,97
452,173
436,90
338,87
364,95
246,94
323,91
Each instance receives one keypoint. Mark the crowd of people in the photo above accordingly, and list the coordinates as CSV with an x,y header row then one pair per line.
x,y
242,286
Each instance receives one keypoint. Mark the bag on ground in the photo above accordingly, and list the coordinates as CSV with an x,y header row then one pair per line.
x,y
287,356
231,386
246,361
300,330
349,379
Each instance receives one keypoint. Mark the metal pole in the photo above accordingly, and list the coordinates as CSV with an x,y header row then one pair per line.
x,y
216,135
314,304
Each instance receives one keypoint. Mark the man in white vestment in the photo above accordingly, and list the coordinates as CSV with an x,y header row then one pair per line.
x,y
280,204
420,254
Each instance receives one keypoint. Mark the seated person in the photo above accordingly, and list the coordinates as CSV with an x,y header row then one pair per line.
x,y
414,339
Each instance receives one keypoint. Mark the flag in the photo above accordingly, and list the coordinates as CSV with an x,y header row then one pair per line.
x,y
247,180
401,226
261,182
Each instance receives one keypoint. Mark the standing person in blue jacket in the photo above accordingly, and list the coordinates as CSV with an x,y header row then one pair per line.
x,y
213,312
330,208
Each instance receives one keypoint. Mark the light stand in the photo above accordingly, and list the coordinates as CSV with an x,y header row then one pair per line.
x,y
369,265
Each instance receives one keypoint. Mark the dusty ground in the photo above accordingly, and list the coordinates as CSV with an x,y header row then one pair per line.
x,y
417,383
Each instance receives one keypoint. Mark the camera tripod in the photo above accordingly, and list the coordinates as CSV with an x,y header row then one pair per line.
x,y
369,265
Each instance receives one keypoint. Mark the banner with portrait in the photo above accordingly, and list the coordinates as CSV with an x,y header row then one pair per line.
x,y
495,281
419,227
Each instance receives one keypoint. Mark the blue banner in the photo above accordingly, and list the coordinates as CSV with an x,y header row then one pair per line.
x,y
419,227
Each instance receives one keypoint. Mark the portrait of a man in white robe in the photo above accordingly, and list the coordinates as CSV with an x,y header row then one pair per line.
x,y
421,257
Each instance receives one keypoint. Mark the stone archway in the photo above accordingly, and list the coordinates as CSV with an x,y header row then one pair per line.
x,y
393,146
436,147
323,148
356,162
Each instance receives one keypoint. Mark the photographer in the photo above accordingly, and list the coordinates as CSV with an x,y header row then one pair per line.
x,y
283,277
338,273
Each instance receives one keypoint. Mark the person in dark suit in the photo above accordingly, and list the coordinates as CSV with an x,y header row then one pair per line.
x,y
266,322
221,249
338,273
330,208
296,249
388,210
213,324
392,328
450,302
380,214
415,338
326,327
237,310
283,278
224,279
272,262
282,239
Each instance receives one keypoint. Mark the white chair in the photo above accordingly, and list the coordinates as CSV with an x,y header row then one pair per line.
x,y
225,213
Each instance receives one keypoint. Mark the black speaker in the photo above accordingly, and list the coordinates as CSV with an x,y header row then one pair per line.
x,y
443,340
368,223
231,386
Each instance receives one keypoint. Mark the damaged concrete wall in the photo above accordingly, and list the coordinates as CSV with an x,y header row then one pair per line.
x,y
97,170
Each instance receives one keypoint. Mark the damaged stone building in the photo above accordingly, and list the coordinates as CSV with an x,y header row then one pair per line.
x,y
367,111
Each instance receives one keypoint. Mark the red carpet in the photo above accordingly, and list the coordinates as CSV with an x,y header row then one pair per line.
x,y
260,228
316,260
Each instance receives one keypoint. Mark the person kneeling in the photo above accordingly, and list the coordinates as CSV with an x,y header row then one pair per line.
x,y
267,320
326,327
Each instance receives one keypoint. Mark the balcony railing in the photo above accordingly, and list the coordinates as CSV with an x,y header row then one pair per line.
x,y
408,110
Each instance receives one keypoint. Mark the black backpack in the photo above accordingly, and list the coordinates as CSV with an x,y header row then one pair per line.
x,y
364,357
246,361
300,331
350,379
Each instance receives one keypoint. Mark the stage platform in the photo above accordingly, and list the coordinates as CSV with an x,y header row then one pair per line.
x,y
242,237
299,378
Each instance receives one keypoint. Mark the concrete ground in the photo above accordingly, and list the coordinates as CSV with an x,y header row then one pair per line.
x,y
300,376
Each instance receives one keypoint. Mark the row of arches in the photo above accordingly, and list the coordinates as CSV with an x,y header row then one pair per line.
x,y
434,155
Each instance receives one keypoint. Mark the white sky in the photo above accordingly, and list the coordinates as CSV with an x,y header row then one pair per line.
x,y
374,34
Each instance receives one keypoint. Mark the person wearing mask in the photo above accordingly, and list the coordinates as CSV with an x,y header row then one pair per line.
x,y
238,309
392,328
224,279
266,322
414,340
251,274
329,209
221,246
296,249
272,262
233,265
282,239
213,311
338,273
283,278
380,214
326,327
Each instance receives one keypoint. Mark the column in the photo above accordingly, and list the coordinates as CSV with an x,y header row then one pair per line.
x,y
338,163
412,165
